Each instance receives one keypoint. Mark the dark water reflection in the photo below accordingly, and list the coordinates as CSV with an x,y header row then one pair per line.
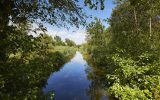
x,y
75,81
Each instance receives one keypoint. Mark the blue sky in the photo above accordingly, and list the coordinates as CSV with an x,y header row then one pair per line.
x,y
78,35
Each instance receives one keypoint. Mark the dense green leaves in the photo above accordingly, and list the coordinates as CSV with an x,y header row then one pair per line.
x,y
70,42
25,60
128,50
127,93
28,67
58,41
95,4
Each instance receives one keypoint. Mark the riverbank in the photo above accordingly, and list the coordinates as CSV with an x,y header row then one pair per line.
x,y
76,81
98,77
27,74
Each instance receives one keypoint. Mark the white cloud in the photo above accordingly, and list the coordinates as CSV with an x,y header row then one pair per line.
x,y
78,58
77,36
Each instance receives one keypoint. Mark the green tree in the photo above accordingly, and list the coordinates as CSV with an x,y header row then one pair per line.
x,y
24,57
96,39
130,51
70,42
58,41
131,30
60,13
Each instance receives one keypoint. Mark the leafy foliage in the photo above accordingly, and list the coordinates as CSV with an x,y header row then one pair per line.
x,y
70,42
26,61
58,41
23,75
128,51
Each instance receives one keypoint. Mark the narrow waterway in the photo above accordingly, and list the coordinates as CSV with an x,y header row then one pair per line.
x,y
72,83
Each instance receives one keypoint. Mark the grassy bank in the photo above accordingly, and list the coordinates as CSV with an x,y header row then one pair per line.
x,y
26,74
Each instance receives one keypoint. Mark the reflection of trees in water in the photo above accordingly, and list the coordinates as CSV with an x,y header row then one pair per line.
x,y
98,83
24,79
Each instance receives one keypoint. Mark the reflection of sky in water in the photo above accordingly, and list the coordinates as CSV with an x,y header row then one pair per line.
x,y
79,59
71,82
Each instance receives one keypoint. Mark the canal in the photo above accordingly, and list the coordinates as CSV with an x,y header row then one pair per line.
x,y
72,82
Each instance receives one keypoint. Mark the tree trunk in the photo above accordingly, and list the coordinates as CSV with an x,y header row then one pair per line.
x,y
135,18
150,27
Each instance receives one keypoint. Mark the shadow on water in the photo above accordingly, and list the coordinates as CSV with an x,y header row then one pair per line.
x,y
75,81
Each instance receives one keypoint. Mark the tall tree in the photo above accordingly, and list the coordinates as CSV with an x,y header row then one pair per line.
x,y
96,38
56,12
58,40
131,28
70,42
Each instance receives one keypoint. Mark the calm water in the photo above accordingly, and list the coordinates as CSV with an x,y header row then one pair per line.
x,y
72,83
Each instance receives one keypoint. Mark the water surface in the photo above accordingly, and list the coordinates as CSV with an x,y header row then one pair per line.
x,y
72,83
